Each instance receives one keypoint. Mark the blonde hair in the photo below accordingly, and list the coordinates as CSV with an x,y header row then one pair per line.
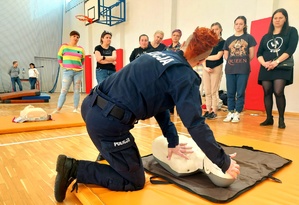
x,y
159,32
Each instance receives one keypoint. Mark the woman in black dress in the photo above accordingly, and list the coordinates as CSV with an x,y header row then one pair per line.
x,y
276,46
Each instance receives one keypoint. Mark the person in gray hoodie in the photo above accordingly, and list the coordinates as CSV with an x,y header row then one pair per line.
x,y
14,72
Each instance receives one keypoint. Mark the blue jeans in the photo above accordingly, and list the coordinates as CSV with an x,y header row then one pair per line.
x,y
69,77
15,80
236,86
102,74
32,82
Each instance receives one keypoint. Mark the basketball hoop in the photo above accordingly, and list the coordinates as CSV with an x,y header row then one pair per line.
x,y
81,17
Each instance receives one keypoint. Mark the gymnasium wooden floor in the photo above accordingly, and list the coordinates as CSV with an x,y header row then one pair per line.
x,y
28,159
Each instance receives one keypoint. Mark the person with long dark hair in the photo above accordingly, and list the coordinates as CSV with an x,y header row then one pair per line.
x,y
238,52
276,47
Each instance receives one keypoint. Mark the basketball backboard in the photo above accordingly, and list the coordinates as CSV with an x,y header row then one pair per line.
x,y
108,12
91,9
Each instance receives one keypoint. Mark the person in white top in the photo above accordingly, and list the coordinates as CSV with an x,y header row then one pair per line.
x,y
33,75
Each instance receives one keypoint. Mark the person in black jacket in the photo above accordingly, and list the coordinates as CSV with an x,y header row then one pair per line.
x,y
155,44
146,87
142,49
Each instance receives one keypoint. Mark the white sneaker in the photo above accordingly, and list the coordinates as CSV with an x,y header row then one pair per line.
x,y
55,111
229,117
76,111
236,117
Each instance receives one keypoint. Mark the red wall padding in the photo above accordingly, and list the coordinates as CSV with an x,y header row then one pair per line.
x,y
88,68
119,59
254,98
88,73
167,42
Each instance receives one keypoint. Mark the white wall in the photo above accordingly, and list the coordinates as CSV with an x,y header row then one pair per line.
x,y
30,33
145,16
292,94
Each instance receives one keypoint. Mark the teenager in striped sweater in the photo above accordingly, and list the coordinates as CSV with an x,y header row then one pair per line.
x,y
71,59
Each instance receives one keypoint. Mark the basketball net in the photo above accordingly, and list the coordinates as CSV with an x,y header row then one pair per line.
x,y
81,17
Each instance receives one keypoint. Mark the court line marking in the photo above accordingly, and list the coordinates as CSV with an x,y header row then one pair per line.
x,y
39,140
142,125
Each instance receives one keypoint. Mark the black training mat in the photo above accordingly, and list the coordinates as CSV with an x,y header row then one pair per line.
x,y
256,166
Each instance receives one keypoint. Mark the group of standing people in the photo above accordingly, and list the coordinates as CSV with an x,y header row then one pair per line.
x,y
238,50
147,46
106,54
71,58
14,73
276,46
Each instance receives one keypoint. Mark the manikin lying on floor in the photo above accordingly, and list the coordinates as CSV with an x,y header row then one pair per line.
x,y
197,162
32,114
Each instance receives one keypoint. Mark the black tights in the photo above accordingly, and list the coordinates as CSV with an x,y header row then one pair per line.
x,y
275,87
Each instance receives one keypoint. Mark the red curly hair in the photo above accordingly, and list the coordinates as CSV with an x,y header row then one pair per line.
x,y
201,41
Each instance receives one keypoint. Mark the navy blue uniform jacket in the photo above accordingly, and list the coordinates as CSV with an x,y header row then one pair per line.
x,y
157,81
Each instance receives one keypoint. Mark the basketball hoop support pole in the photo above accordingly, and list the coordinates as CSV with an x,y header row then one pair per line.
x,y
110,14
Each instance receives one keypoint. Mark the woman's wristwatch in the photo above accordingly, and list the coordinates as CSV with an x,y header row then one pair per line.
x,y
277,61
104,58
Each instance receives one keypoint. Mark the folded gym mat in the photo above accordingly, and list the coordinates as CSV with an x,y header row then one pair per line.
x,y
256,166
13,95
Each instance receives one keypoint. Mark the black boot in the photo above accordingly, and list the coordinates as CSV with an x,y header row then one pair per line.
x,y
268,121
281,123
66,173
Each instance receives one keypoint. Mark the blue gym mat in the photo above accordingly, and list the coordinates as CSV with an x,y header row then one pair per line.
x,y
42,96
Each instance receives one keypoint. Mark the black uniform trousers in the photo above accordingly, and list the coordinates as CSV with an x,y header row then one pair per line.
x,y
113,139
